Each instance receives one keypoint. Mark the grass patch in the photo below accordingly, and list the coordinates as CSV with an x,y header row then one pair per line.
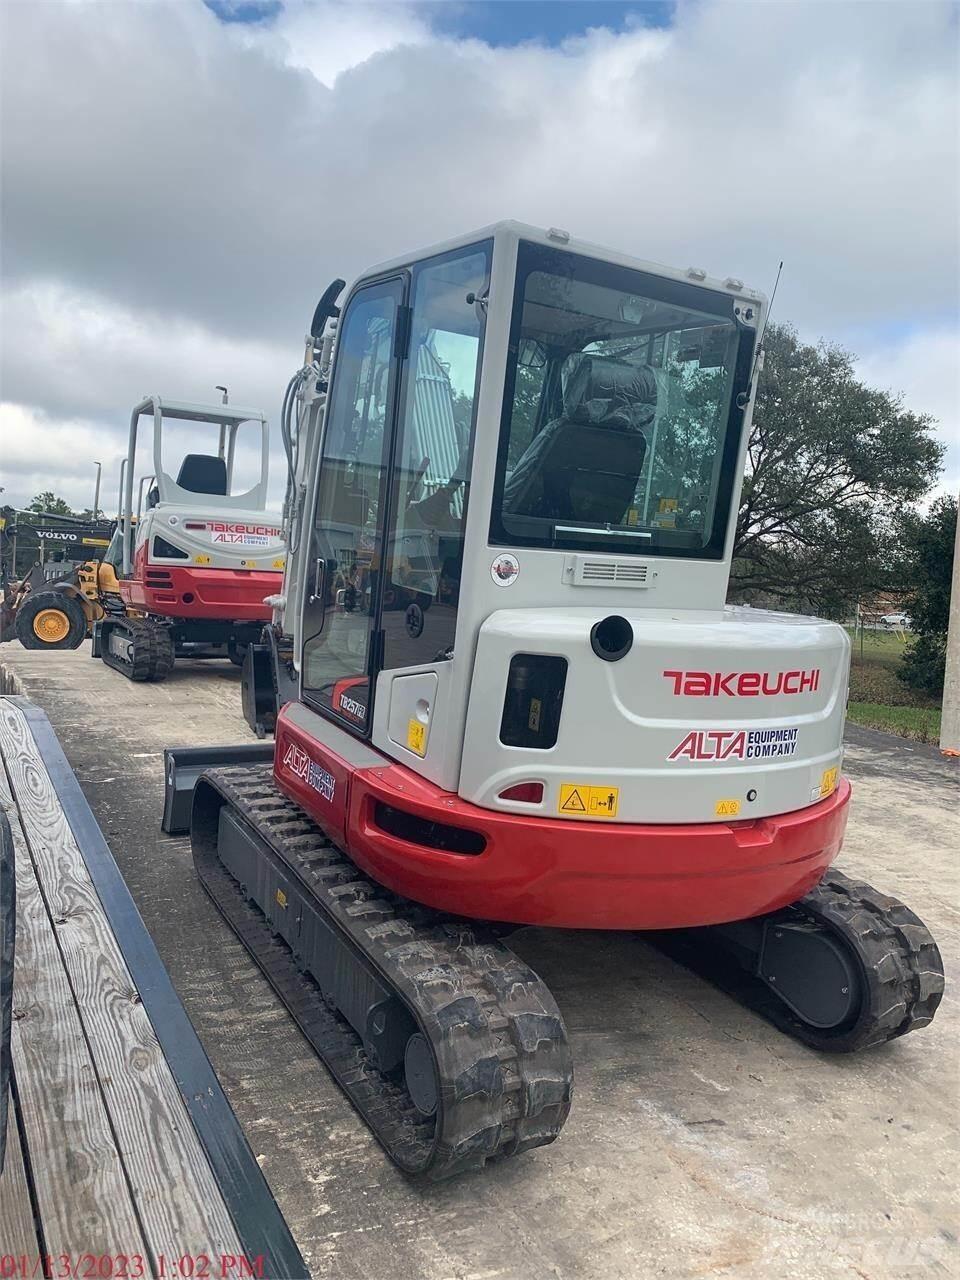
x,y
884,647
878,682
920,723
878,698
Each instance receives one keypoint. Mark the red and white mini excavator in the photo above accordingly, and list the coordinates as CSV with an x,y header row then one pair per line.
x,y
520,698
195,567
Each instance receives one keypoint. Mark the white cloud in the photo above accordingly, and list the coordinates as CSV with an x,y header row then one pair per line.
x,y
81,353
41,453
925,368
77,364
327,39
178,191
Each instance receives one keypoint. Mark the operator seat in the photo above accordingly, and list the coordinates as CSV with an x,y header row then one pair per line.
x,y
203,473
585,465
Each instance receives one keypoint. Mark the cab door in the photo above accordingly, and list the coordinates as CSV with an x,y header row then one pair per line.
x,y
341,649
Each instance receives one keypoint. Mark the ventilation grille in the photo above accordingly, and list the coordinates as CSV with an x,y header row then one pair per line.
x,y
587,572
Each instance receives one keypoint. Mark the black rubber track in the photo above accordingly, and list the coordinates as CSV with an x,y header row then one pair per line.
x,y
899,963
153,654
498,1041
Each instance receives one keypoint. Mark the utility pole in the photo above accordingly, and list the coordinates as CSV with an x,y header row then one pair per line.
x,y
950,721
96,491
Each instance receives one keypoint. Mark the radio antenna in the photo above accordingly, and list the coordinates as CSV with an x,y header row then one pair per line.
x,y
763,331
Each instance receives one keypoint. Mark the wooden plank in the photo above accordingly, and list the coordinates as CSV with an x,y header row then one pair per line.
x,y
255,1213
82,1195
179,1202
18,1235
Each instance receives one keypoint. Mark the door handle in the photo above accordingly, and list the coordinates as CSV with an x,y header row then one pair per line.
x,y
319,570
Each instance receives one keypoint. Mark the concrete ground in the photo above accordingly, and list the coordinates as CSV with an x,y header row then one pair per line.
x,y
701,1141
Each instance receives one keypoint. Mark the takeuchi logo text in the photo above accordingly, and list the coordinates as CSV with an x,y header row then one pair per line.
x,y
742,684
260,530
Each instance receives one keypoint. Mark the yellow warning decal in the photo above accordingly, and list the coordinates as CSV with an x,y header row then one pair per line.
x,y
829,781
727,808
582,801
417,737
201,559
281,898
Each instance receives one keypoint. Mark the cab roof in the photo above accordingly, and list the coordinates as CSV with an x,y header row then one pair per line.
x,y
509,230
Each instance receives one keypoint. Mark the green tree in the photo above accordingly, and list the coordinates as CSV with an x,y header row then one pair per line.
x,y
831,466
48,502
462,413
928,542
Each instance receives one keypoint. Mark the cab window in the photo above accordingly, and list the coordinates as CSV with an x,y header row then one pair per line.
x,y
430,483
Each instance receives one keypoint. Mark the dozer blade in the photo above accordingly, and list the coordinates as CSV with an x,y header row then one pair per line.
x,y
843,969
448,1045
182,766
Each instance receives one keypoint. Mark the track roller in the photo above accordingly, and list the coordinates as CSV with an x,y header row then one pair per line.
x,y
842,969
448,1045
138,648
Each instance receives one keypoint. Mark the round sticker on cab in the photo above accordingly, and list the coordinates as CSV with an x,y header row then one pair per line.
x,y
505,570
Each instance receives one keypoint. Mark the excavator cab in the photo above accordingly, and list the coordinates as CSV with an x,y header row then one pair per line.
x,y
529,465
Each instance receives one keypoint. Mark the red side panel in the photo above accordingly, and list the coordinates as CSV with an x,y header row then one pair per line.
x,y
593,875
315,777
538,870
175,591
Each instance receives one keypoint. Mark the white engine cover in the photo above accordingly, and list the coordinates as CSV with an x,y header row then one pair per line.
x,y
215,539
711,716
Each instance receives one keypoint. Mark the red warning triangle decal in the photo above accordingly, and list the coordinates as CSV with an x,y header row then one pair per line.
x,y
573,803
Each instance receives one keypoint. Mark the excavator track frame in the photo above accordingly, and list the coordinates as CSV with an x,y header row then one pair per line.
x,y
502,1063
151,651
879,943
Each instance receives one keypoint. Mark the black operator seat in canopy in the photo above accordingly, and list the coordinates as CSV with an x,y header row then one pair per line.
x,y
203,473
586,465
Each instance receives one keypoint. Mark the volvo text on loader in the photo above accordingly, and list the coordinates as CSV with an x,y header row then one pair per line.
x,y
521,699
198,563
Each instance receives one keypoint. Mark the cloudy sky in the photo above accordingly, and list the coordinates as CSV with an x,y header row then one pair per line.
x,y
182,178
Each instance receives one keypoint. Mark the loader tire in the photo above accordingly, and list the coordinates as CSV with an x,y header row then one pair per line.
x,y
51,620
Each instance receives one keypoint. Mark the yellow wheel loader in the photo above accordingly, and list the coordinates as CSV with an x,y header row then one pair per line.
x,y
59,613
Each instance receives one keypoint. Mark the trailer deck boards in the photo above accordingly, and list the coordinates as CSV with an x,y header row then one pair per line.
x,y
121,1142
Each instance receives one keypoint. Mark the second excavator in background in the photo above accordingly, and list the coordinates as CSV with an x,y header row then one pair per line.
x,y
197,562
